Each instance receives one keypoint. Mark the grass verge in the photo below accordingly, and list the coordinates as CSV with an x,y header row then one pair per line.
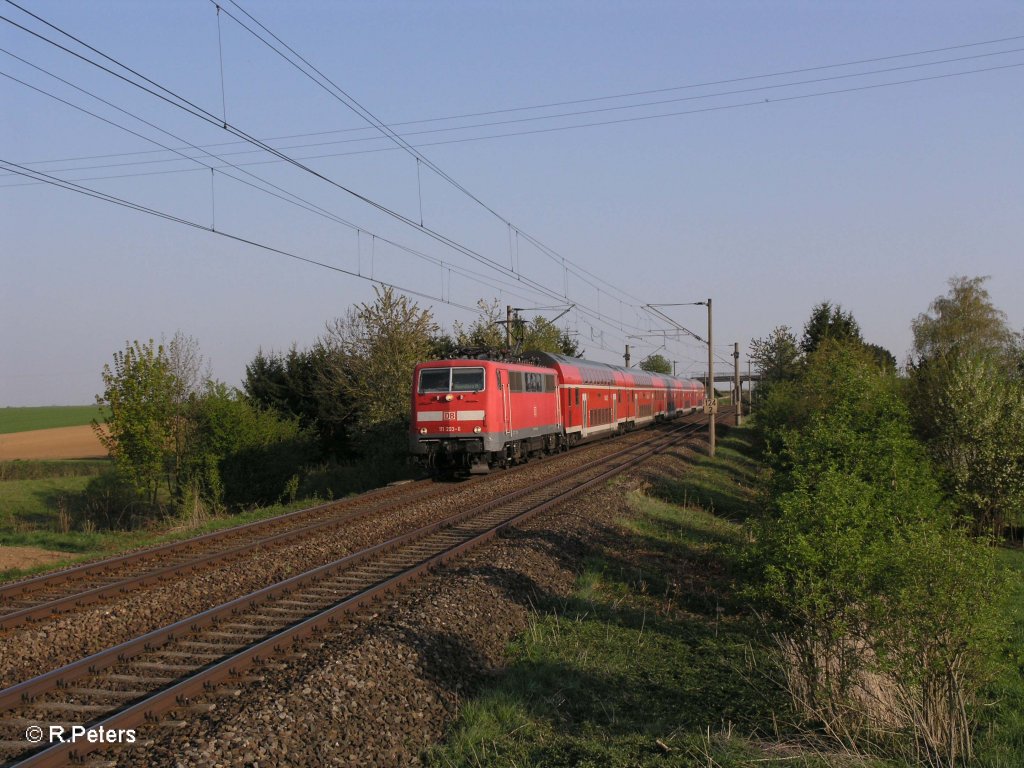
x,y
34,513
649,663
653,661
83,546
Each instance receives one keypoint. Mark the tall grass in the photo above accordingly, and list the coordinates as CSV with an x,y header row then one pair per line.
x,y
40,470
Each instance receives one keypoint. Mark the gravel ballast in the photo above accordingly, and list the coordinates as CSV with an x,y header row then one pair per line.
x,y
380,690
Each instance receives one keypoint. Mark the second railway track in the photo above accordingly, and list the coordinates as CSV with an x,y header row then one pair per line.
x,y
64,590
74,588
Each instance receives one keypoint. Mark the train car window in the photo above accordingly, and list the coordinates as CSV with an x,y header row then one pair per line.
x,y
534,382
577,397
467,379
434,379
549,382
515,381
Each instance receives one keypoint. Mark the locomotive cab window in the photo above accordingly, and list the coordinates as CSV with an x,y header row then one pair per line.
x,y
434,380
467,379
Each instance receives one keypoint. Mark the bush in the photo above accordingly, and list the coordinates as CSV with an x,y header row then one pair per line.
x,y
111,502
240,454
882,608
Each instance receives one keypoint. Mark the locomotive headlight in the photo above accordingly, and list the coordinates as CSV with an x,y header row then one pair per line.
x,y
448,398
423,430
478,430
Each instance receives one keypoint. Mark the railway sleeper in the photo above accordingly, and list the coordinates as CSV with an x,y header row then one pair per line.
x,y
64,706
301,603
102,693
22,722
241,626
236,635
161,666
283,611
136,679
222,647
193,708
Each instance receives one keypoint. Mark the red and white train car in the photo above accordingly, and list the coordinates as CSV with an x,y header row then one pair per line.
x,y
470,415
600,399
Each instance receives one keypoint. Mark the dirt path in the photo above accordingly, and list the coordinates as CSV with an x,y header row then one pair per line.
x,y
27,557
60,443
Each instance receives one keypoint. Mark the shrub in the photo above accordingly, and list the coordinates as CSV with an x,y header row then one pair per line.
x,y
882,608
241,454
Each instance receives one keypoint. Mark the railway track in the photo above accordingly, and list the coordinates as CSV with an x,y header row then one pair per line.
x,y
66,590
166,670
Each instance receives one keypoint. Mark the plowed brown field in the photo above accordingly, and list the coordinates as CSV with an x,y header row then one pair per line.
x,y
61,443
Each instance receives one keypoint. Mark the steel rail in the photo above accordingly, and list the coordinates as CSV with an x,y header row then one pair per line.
x,y
105,570
135,581
170,697
18,588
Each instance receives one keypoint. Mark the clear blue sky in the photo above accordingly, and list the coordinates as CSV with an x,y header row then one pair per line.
x,y
766,202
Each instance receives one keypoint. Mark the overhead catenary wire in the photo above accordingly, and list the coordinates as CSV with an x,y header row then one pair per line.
x,y
105,197
540,245
180,102
568,102
317,76
337,92
285,195
722,107
174,102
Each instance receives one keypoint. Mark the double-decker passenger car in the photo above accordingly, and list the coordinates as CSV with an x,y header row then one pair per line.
x,y
599,399
469,415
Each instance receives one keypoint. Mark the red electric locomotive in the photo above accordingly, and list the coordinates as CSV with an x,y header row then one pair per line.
x,y
469,415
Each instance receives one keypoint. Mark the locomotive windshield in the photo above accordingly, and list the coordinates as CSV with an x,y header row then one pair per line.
x,y
451,380
467,379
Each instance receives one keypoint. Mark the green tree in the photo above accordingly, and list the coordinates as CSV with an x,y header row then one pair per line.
x,y
139,398
242,454
185,363
776,357
964,321
291,384
487,334
369,356
884,359
829,321
541,335
979,442
965,394
656,364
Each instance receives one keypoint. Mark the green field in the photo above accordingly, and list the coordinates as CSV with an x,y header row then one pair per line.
x,y
48,417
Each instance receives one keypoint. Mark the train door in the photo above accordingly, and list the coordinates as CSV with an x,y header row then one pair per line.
x,y
585,417
506,402
615,412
